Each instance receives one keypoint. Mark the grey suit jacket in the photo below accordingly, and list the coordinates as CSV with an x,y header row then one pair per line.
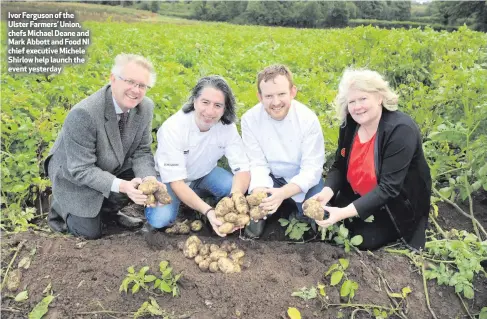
x,y
88,153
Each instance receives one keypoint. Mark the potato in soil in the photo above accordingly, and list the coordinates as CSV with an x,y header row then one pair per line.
x,y
227,266
205,249
196,225
205,264
240,202
199,259
214,266
312,208
148,187
191,247
214,256
214,247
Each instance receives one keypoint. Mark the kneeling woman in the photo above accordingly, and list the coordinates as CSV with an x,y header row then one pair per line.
x,y
379,167
189,145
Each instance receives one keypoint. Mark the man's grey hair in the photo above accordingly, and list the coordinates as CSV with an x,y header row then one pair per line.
x,y
218,83
123,59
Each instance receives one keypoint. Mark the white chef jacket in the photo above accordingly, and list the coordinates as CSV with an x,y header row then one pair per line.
x,y
292,148
185,153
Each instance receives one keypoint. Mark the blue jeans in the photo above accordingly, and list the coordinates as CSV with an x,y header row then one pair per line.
x,y
218,183
280,182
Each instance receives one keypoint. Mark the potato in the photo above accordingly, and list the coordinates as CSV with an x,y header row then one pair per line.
x,y
191,250
199,259
230,217
148,187
151,200
214,266
205,250
182,228
171,230
214,247
193,239
256,198
162,196
225,246
233,246
205,264
312,208
236,255
214,256
257,213
240,203
224,206
227,266
242,220
196,225
226,228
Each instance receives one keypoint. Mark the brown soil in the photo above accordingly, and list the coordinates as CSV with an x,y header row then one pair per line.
x,y
86,276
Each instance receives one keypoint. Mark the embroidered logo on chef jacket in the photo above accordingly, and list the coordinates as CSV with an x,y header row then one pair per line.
x,y
186,152
237,169
343,152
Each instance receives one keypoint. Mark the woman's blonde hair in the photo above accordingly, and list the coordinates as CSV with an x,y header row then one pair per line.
x,y
363,80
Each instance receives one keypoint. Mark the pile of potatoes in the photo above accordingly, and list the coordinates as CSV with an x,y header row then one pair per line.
x,y
232,212
226,258
254,201
155,193
312,208
182,228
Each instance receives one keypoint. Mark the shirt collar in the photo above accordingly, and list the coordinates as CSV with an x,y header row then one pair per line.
x,y
118,110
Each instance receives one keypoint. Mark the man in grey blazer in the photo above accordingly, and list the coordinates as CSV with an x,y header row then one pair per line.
x,y
103,152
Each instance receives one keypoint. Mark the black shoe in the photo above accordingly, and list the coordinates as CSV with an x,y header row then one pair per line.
x,y
254,229
127,221
56,222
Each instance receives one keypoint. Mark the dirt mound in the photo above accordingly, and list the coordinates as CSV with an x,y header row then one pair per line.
x,y
86,276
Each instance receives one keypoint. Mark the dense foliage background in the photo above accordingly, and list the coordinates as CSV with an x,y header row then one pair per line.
x,y
441,78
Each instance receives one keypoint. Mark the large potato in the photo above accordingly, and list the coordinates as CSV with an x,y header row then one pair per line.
x,y
191,250
193,240
148,187
236,255
205,250
312,208
214,256
205,264
196,225
226,228
240,203
214,266
227,266
242,220
256,198
231,217
257,213
224,206
199,259
161,195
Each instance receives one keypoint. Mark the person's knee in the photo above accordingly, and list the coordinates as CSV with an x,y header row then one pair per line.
x,y
86,228
158,218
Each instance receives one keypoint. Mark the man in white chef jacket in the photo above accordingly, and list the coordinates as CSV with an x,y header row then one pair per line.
x,y
284,142
189,145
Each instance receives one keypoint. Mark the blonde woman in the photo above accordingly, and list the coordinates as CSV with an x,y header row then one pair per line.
x,y
379,167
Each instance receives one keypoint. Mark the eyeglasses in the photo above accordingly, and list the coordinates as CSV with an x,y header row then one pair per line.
x,y
133,84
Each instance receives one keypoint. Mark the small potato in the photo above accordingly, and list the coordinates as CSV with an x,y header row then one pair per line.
x,y
226,228
205,264
162,196
214,256
312,208
236,255
205,250
227,266
257,213
196,225
225,246
191,250
242,220
171,230
214,266
148,187
224,206
230,217
233,246
240,203
256,198
199,259
182,228
151,200
214,247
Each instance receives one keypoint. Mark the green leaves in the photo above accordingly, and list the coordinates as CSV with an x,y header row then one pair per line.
x,y
305,293
348,289
337,271
41,308
295,229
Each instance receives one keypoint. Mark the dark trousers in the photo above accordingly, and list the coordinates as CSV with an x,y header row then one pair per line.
x,y
91,228
376,234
